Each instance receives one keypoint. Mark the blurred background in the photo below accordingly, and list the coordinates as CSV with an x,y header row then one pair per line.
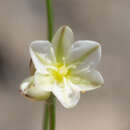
x,y
105,21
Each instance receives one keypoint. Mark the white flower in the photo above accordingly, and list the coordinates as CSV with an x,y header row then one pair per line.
x,y
63,67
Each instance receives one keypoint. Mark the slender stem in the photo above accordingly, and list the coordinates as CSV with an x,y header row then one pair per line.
x,y
49,11
46,118
49,115
52,107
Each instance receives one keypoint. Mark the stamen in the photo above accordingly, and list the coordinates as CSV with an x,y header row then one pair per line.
x,y
51,67
59,71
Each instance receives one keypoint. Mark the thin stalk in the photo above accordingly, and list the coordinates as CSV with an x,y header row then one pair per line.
x,y
50,19
46,118
49,115
52,107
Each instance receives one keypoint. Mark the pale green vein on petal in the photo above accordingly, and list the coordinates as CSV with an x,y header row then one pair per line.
x,y
44,62
60,46
81,81
83,57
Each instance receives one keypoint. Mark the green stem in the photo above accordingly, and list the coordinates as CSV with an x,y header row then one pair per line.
x,y
46,118
52,107
49,11
49,115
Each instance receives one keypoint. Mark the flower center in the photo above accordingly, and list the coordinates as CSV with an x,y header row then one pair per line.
x,y
59,72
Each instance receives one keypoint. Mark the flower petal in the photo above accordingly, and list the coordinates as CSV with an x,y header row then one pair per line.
x,y
42,54
87,81
29,90
67,95
44,81
86,54
62,41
